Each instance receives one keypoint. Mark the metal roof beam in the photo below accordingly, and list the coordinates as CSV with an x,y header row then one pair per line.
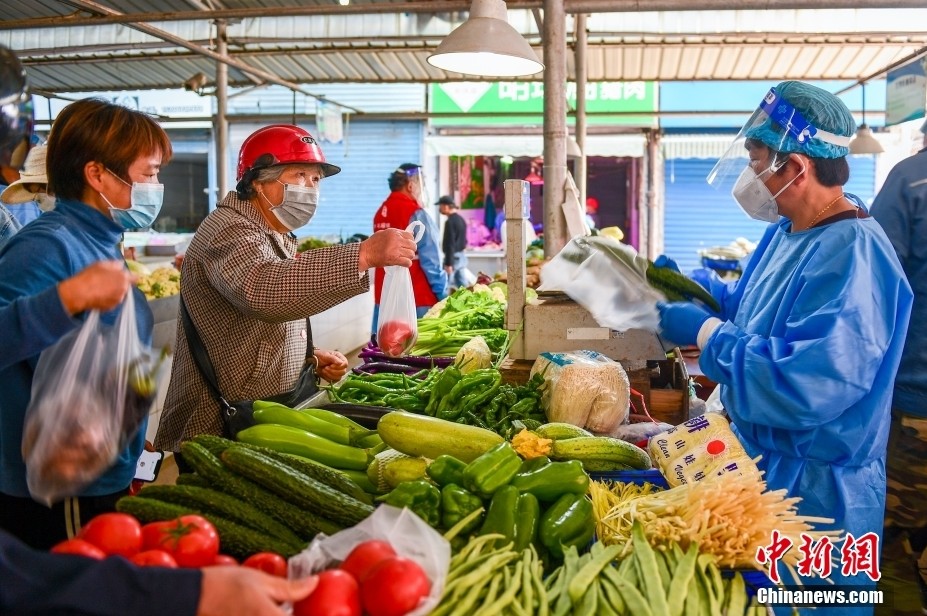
x,y
102,15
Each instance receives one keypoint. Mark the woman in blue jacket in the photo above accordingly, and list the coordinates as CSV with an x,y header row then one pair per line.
x,y
103,162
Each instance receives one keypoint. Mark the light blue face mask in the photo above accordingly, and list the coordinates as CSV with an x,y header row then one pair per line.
x,y
146,200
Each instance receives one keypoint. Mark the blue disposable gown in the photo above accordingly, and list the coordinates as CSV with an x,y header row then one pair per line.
x,y
806,359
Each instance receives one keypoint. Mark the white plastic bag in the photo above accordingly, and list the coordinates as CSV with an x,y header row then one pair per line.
x,y
90,393
397,323
607,278
409,535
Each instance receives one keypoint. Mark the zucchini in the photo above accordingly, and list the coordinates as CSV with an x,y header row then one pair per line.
x,y
326,474
303,523
285,416
294,486
429,437
234,539
559,430
601,448
229,507
287,439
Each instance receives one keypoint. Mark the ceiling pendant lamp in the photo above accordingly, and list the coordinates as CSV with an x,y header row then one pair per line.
x,y
486,45
864,142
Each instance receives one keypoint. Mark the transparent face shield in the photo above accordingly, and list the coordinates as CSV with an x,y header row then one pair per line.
x,y
417,184
775,126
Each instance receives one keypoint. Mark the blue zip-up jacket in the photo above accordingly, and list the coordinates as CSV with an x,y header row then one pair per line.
x,y
48,250
901,209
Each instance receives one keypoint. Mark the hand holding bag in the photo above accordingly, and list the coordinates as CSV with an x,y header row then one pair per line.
x,y
397,322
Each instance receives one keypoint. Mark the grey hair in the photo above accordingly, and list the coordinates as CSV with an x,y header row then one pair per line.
x,y
245,187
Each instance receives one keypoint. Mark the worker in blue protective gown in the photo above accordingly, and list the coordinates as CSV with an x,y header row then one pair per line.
x,y
807,342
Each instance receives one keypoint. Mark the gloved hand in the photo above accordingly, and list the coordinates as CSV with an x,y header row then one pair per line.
x,y
681,321
667,262
703,276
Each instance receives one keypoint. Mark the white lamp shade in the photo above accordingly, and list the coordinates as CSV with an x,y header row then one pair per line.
x,y
864,142
486,45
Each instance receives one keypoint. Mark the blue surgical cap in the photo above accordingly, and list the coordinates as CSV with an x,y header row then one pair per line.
x,y
819,107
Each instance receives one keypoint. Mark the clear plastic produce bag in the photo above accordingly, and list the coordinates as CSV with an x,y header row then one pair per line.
x,y
397,323
607,278
90,393
407,533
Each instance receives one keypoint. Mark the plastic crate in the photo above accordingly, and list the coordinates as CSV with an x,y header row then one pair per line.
x,y
653,476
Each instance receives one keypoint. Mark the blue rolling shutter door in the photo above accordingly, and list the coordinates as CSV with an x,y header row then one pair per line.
x,y
698,216
370,152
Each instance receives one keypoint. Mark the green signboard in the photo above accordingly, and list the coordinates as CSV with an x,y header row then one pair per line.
x,y
522,102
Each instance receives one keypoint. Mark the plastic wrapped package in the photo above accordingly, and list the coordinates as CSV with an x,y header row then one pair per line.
x,y
584,388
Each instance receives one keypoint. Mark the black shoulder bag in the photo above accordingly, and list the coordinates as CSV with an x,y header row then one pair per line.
x,y
237,416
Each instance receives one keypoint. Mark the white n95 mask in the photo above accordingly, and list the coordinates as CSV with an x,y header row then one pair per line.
x,y
754,197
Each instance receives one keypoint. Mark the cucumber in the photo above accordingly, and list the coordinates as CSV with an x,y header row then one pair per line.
x,y
303,523
429,437
294,486
602,448
326,474
219,503
234,539
193,479
559,430
361,479
287,439
286,416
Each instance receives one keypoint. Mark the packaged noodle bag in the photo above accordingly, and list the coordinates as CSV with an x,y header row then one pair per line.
x,y
701,447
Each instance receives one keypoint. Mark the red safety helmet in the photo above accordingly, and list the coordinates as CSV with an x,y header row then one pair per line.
x,y
281,144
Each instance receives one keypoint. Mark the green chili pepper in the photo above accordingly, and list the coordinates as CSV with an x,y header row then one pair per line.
x,y
446,469
456,504
569,521
442,387
477,398
420,496
523,407
550,481
527,516
501,517
492,470
450,407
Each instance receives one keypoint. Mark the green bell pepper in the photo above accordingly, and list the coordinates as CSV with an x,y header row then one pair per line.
x,y
419,496
527,516
492,470
550,481
456,504
568,522
446,469
501,518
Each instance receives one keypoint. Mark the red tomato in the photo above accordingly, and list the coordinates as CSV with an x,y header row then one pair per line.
x,y
336,595
151,535
365,557
79,547
393,336
114,533
191,539
395,587
223,560
154,558
268,562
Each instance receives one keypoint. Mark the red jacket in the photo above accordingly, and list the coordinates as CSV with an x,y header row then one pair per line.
x,y
396,212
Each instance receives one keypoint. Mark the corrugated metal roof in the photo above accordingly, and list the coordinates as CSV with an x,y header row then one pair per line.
x,y
370,47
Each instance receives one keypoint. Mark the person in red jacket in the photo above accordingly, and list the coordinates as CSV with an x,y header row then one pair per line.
x,y
402,207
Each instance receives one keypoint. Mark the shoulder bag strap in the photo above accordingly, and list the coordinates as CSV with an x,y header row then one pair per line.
x,y
198,351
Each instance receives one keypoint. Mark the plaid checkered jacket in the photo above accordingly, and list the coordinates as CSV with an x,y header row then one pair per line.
x,y
248,295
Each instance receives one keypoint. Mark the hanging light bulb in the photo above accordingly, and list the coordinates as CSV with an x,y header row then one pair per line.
x,y
864,142
486,45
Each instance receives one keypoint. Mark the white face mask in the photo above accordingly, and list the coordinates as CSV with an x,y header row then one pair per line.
x,y
754,197
298,205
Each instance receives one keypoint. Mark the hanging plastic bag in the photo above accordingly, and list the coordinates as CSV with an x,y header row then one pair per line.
x,y
409,536
397,326
90,393
607,278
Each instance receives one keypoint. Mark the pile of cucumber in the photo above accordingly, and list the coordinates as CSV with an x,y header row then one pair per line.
x,y
260,500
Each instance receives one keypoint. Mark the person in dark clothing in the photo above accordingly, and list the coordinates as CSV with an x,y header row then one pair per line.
x,y
454,243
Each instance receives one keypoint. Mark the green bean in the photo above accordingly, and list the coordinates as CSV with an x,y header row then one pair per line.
x,y
681,577
634,601
512,581
649,572
527,588
612,595
585,577
737,595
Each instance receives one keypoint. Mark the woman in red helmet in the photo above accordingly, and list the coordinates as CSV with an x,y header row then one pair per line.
x,y
248,294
